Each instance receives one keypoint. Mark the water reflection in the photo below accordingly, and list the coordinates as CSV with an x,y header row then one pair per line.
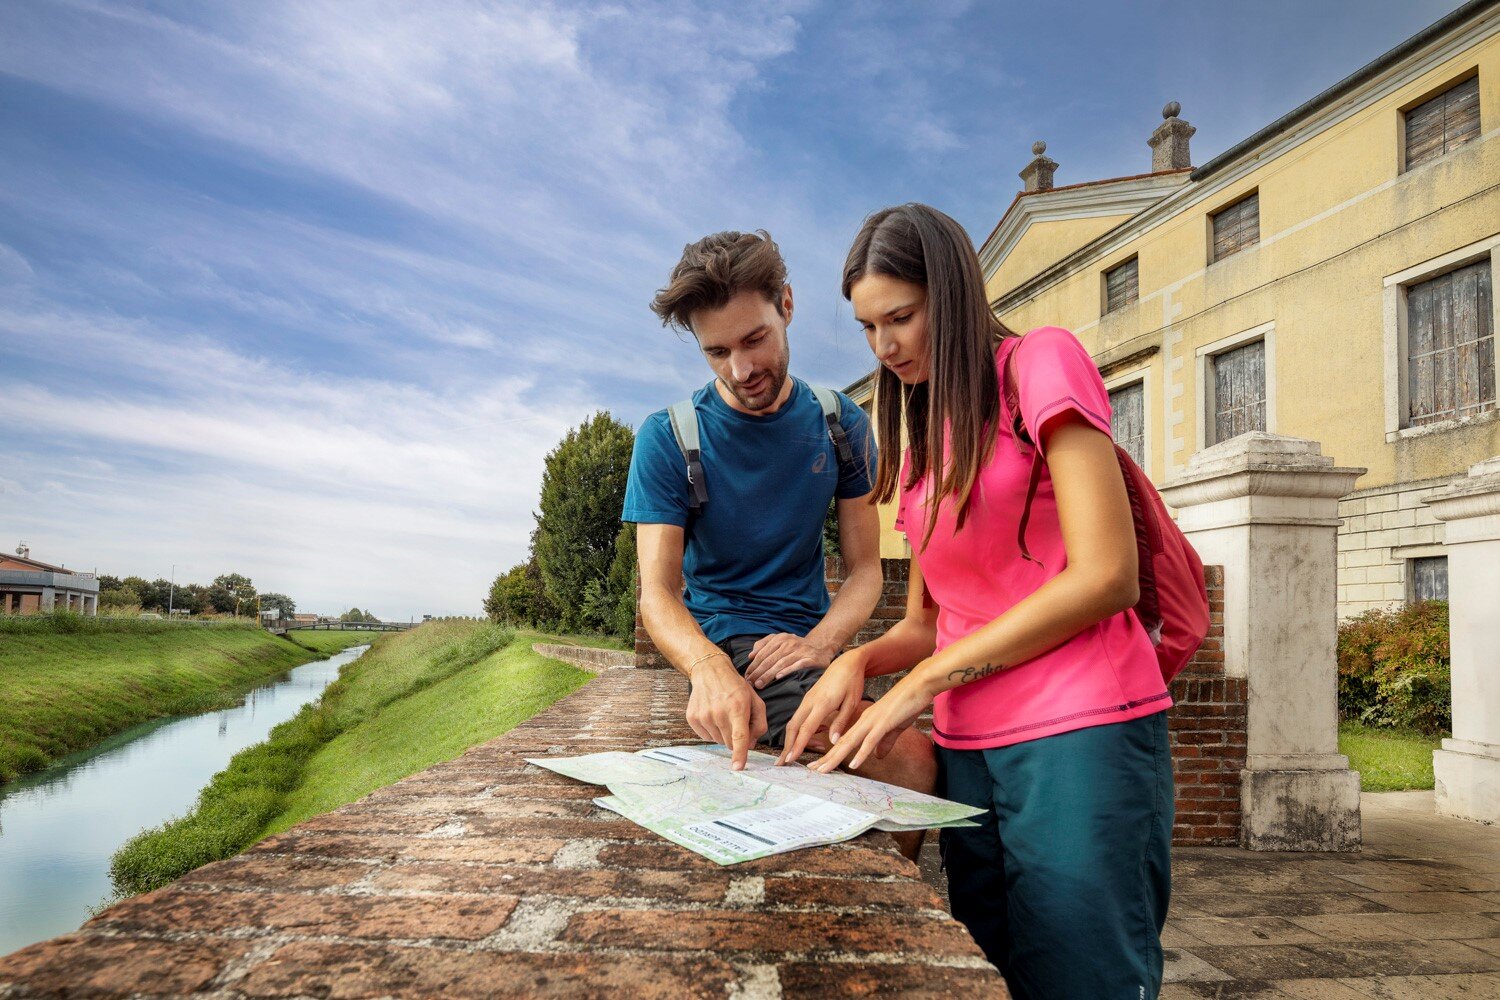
x,y
59,828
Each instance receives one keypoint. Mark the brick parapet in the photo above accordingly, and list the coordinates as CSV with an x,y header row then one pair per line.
x,y
585,656
488,876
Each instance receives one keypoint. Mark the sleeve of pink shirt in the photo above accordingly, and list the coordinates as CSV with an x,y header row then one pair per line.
x,y
1056,375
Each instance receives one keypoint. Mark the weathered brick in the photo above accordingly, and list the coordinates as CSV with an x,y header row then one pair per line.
x,y
261,871
815,981
461,917
806,891
589,883
350,970
78,965
496,850
768,933
852,862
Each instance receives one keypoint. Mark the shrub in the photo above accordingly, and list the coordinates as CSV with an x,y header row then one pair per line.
x,y
1393,668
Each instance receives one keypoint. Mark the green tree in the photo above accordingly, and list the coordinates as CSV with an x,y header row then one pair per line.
x,y
517,597
623,577
583,489
280,602
356,615
229,593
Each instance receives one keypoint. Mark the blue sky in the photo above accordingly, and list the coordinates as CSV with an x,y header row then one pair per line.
x,y
307,290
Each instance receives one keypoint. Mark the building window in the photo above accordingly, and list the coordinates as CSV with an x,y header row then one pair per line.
x,y
1122,285
1238,402
1438,126
1429,579
1236,227
1450,345
1127,420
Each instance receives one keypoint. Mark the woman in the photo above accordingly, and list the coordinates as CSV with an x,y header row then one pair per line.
x,y
1047,697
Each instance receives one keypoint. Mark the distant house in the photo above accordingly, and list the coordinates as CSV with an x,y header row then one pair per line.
x,y
29,585
306,619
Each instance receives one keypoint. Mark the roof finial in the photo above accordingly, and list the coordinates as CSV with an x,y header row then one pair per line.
x,y
1038,148
1172,110
1169,143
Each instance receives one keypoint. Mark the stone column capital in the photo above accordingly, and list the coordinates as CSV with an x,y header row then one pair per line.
x,y
1475,495
1261,478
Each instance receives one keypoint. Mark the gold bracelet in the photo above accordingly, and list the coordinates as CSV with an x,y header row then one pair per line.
x,y
705,656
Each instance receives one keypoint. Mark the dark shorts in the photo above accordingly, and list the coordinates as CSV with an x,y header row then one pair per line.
x,y
781,696
1065,881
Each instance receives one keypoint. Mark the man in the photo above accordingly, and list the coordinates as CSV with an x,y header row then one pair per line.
x,y
755,628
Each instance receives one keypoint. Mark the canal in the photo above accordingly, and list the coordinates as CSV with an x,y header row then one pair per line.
x,y
60,827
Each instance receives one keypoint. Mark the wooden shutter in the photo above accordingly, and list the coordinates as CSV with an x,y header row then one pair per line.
x,y
1429,578
1450,345
1447,121
1237,227
1127,420
1240,391
1122,285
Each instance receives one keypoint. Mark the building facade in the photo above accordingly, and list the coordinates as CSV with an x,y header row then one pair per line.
x,y
1330,277
28,586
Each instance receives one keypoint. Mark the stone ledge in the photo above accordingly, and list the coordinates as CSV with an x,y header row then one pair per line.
x,y
585,656
487,876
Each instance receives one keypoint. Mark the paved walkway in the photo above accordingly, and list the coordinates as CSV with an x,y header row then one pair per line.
x,y
1415,916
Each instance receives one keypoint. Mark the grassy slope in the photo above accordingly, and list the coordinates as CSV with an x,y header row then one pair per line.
x,y
1388,759
63,691
433,725
432,690
330,641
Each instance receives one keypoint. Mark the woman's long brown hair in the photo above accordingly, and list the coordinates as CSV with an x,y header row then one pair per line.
x,y
919,244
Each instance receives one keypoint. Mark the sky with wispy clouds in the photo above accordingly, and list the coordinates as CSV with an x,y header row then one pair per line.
x,y
306,289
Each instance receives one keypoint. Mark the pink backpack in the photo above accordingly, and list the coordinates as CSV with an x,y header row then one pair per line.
x,y
1173,606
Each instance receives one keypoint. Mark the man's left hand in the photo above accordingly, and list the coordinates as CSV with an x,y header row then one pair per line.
x,y
776,655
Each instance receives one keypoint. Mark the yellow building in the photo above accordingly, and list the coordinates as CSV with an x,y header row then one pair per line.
x,y
1330,277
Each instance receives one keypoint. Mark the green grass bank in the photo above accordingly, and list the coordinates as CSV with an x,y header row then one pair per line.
x,y
68,681
1388,760
330,642
416,698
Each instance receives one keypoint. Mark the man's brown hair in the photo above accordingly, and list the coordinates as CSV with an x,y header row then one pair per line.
x,y
717,268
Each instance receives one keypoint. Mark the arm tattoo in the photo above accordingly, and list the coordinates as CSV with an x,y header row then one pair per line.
x,y
970,674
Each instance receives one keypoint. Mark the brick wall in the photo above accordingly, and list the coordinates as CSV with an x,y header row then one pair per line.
x,y
1208,727
490,877
1207,723
585,656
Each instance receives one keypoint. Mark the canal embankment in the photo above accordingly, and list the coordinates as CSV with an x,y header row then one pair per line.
x,y
416,699
68,682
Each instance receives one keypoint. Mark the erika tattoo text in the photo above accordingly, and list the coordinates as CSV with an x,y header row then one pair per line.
x,y
970,674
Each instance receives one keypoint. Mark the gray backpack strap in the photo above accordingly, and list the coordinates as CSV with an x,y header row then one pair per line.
x,y
684,419
829,401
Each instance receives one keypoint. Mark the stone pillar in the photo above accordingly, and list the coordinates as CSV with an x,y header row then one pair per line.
x,y
49,598
1467,768
1037,174
1169,143
1265,507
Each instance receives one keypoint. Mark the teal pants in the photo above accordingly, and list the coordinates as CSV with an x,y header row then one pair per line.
x,y
1066,880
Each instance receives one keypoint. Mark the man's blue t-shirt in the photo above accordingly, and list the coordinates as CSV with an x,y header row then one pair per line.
x,y
753,555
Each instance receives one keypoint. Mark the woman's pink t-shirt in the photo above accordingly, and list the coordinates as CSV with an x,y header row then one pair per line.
x,y
1106,673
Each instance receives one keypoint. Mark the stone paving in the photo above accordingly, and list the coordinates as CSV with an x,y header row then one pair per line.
x,y
1414,916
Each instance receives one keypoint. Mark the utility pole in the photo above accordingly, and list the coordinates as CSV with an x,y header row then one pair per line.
x,y
171,590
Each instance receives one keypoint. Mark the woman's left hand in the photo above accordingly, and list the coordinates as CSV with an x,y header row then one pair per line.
x,y
881,725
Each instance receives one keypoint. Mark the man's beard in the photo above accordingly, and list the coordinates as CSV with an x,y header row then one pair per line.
x,y
768,395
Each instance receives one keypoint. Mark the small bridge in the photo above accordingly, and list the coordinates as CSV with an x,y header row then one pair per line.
x,y
282,628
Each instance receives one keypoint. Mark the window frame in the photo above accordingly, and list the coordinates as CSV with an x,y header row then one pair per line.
x,y
1143,377
1402,166
1395,312
1104,306
1204,357
1214,258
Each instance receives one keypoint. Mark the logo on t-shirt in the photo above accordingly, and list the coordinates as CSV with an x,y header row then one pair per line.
x,y
820,463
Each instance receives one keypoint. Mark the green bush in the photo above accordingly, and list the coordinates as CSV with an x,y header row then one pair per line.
x,y
1393,668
